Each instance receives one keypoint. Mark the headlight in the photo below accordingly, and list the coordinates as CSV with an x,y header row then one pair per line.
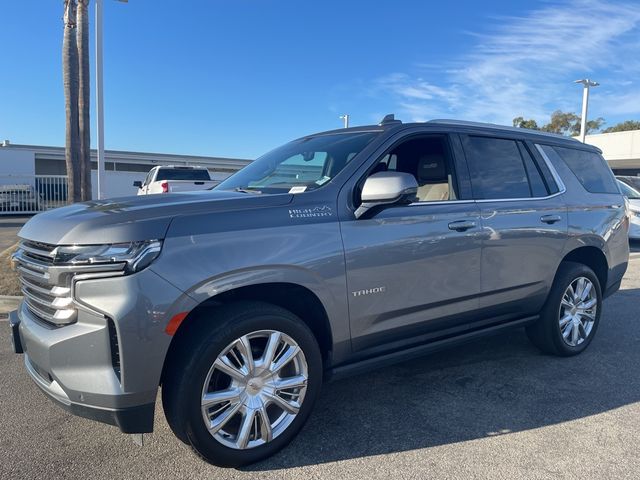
x,y
134,256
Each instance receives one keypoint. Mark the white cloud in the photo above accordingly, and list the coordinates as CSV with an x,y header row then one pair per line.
x,y
525,65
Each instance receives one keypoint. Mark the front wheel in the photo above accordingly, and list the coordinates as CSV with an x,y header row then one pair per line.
x,y
571,315
247,386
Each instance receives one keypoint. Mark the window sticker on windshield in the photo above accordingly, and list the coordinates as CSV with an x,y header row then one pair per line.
x,y
298,189
323,180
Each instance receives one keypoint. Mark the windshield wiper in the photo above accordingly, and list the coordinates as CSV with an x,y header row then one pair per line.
x,y
247,190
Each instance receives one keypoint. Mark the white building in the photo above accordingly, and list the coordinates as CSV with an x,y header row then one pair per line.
x,y
21,164
620,149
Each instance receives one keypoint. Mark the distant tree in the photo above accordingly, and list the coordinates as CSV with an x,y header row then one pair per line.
x,y
593,126
623,126
521,122
563,123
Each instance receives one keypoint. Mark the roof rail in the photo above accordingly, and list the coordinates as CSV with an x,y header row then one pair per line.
x,y
463,123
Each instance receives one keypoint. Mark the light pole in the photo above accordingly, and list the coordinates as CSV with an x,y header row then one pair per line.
x,y
345,117
585,105
100,98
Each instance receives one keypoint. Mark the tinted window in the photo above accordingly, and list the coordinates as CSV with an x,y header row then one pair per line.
x,y
590,168
537,184
427,158
496,167
182,174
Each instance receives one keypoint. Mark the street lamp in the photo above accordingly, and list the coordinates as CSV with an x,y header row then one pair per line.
x,y
345,117
585,104
100,99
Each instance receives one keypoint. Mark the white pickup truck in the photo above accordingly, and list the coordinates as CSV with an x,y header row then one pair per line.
x,y
171,179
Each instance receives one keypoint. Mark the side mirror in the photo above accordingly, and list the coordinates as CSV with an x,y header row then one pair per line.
x,y
387,188
137,183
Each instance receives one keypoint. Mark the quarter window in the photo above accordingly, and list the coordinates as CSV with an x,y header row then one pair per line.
x,y
589,167
496,167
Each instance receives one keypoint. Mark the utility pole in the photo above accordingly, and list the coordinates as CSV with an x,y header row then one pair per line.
x,y
100,99
585,105
345,117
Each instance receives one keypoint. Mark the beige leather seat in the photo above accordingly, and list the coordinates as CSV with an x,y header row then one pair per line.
x,y
433,181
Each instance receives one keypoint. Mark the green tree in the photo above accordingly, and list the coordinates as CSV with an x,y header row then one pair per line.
x,y
521,122
562,123
623,126
565,123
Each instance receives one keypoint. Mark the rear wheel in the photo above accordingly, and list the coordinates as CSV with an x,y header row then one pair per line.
x,y
570,317
246,387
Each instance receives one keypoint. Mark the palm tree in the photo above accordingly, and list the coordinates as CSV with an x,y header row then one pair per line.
x,y
84,99
70,81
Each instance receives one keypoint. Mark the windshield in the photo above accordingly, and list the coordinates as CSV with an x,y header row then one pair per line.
x,y
299,166
629,192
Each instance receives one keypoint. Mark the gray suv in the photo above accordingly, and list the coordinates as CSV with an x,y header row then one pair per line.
x,y
331,255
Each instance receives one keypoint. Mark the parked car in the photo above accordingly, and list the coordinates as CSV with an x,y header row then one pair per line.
x,y
634,209
173,179
331,255
633,182
19,199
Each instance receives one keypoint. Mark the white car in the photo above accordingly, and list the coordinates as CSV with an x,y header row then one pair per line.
x,y
172,179
634,206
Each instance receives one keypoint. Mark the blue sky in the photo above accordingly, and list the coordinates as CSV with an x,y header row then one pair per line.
x,y
238,77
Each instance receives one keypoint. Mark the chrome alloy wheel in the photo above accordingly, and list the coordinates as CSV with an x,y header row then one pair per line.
x,y
578,310
254,389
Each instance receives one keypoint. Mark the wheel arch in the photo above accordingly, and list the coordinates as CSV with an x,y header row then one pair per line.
x,y
594,258
298,299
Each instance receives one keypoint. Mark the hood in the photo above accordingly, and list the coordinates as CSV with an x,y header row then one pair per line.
x,y
128,219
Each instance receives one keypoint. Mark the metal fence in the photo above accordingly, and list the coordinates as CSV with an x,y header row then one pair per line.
x,y
27,194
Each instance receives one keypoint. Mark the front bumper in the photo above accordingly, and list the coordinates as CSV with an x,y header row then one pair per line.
x,y
74,365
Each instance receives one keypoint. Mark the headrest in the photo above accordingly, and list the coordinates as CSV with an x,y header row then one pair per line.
x,y
432,168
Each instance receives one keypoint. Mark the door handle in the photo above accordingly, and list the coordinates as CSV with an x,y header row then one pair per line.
x,y
461,225
550,219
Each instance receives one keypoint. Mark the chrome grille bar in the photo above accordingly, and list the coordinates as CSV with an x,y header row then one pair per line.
x,y
51,303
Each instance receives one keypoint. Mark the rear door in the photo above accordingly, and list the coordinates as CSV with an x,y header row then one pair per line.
x,y
524,223
413,271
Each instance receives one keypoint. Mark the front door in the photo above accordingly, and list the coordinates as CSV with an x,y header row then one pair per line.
x,y
413,271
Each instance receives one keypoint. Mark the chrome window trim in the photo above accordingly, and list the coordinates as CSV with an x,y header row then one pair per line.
x,y
552,169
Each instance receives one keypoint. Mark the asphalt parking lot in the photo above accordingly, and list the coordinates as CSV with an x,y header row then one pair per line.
x,y
496,408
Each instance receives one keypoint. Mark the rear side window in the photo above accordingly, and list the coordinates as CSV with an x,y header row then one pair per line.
x,y
496,167
590,168
182,174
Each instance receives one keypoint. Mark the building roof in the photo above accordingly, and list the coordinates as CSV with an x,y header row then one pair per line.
x,y
136,157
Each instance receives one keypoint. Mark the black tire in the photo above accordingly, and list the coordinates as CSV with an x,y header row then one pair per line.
x,y
184,379
546,332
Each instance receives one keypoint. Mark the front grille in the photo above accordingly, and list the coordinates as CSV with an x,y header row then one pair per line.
x,y
47,296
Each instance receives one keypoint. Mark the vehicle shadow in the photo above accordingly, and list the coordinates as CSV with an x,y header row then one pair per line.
x,y
634,246
495,386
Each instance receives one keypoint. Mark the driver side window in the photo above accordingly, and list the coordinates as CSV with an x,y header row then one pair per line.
x,y
428,159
